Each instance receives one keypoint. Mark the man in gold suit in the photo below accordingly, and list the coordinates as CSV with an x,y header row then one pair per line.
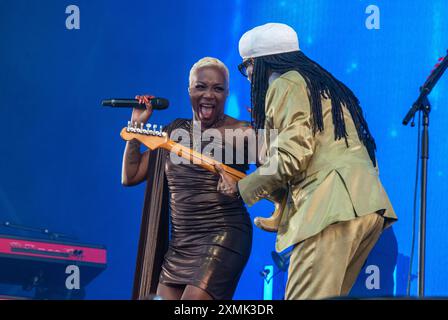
x,y
336,205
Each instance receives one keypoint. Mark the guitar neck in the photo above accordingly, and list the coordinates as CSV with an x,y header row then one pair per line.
x,y
199,159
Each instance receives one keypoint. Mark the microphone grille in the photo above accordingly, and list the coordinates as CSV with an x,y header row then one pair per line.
x,y
160,103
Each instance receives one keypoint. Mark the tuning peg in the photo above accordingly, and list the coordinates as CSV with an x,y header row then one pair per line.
x,y
141,129
154,130
149,130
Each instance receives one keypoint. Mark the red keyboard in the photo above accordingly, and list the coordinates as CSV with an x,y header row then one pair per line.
x,y
52,250
43,263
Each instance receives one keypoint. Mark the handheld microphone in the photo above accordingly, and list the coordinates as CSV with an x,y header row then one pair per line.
x,y
156,103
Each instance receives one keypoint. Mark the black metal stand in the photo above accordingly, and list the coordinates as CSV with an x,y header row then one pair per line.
x,y
425,109
422,104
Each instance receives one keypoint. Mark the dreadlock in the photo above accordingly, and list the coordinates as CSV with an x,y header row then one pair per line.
x,y
320,83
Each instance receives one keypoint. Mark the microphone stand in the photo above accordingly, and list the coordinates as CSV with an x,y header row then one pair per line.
x,y
423,105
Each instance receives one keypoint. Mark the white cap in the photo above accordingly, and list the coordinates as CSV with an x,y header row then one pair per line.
x,y
270,38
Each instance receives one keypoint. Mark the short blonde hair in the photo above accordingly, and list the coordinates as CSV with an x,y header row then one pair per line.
x,y
209,62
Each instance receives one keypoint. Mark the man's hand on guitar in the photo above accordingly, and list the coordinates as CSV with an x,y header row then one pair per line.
x,y
226,185
142,116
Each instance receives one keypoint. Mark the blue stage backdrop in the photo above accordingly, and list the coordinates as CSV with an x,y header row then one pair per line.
x,y
61,151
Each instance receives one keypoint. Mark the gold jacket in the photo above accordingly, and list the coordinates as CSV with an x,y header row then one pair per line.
x,y
325,181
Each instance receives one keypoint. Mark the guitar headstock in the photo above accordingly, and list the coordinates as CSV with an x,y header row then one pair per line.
x,y
148,135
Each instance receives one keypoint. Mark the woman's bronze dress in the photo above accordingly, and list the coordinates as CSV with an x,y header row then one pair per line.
x,y
210,233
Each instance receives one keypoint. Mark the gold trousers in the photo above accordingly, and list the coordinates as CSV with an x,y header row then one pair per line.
x,y
327,264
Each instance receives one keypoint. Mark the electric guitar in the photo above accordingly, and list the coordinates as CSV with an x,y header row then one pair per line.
x,y
153,139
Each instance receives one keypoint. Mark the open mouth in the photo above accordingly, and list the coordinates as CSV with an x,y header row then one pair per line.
x,y
206,110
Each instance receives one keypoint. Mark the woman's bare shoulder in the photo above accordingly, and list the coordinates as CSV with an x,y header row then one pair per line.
x,y
236,123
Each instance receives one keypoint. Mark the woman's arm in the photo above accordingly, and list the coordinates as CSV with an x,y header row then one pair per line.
x,y
135,164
